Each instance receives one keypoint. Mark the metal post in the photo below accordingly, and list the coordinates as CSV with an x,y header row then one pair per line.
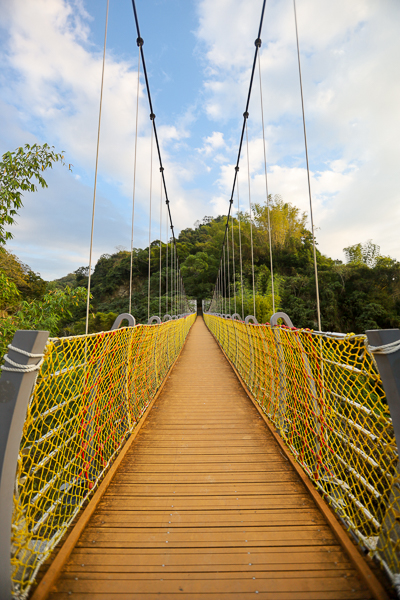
x,y
389,369
15,390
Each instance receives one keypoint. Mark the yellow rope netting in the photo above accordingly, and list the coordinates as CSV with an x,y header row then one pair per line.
x,y
90,393
325,397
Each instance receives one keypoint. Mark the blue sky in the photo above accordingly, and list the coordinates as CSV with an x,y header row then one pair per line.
x,y
198,55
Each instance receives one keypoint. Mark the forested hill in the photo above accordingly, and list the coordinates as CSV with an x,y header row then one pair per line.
x,y
362,294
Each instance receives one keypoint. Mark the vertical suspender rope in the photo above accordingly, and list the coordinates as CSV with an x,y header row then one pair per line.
x,y
172,281
233,265
181,288
172,277
251,221
159,287
224,288
175,287
240,244
308,168
177,283
95,173
175,275
266,189
134,183
176,280
219,292
178,299
166,267
151,189
229,276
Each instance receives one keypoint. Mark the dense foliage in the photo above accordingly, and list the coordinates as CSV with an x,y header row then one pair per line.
x,y
28,302
362,294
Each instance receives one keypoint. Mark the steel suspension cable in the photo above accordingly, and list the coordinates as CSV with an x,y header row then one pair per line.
x,y
134,184
95,173
176,279
229,276
166,268
151,187
257,44
266,188
172,287
140,43
308,168
251,221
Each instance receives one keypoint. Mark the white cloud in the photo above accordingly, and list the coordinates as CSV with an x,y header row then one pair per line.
x,y
352,94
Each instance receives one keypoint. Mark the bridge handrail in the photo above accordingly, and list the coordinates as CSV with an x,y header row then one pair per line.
x,y
325,396
90,393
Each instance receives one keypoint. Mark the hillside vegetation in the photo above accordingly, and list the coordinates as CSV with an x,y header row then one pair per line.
x,y
362,294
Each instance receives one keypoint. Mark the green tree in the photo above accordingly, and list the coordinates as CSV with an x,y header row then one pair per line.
x,y
18,170
48,313
362,254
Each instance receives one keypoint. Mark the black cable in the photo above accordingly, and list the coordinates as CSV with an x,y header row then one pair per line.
x,y
140,43
257,44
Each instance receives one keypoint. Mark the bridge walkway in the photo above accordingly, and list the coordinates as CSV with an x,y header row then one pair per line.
x,y
206,505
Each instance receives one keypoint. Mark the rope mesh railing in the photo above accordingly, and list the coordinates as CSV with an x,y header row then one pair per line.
x,y
90,393
325,396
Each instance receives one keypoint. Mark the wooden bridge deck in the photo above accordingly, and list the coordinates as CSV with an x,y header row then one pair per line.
x,y
206,505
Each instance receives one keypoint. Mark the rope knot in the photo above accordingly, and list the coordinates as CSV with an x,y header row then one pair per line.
x,y
140,42
18,368
258,43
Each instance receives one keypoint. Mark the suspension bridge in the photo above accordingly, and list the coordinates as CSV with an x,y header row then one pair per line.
x,y
202,454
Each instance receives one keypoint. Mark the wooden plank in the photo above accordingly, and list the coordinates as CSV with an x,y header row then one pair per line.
x,y
201,503
328,550
274,595
126,518
224,575
221,489
205,586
